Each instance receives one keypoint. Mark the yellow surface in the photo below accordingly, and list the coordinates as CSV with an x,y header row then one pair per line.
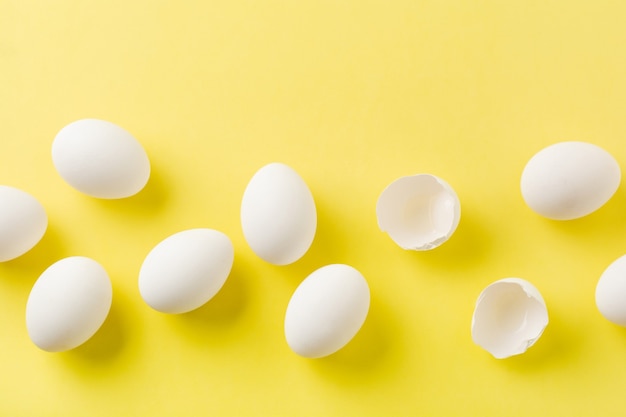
x,y
351,94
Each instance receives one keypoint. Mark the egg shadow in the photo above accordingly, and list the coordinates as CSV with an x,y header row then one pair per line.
x,y
148,202
329,245
105,345
220,313
23,271
558,347
367,357
373,352
608,220
618,331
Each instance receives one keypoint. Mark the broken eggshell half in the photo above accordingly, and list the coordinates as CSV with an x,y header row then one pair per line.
x,y
418,212
509,317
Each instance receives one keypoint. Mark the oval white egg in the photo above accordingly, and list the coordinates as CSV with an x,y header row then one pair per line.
x,y
23,222
186,270
611,292
326,311
100,159
510,316
419,212
569,180
68,304
278,214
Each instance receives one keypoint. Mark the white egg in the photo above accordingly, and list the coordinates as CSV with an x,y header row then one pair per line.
x,y
509,317
23,222
186,270
326,311
419,212
278,214
611,292
68,304
100,159
569,180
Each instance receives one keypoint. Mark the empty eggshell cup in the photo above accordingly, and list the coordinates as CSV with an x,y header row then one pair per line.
x,y
510,316
418,212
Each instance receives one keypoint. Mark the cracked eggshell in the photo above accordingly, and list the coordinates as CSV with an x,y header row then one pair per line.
x,y
68,304
611,292
509,317
23,222
568,180
326,311
185,270
100,159
419,212
278,214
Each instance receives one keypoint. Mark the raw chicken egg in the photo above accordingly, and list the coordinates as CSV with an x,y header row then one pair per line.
x,y
23,222
568,180
68,304
186,270
100,159
326,311
611,292
278,214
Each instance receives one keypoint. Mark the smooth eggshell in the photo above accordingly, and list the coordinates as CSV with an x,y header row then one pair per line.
x,y
68,304
23,222
186,270
326,311
419,212
611,292
100,159
568,180
510,316
278,214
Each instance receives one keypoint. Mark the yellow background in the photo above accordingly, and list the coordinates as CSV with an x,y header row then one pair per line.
x,y
351,94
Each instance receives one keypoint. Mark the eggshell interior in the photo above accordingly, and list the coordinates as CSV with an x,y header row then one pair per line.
x,y
419,212
510,316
